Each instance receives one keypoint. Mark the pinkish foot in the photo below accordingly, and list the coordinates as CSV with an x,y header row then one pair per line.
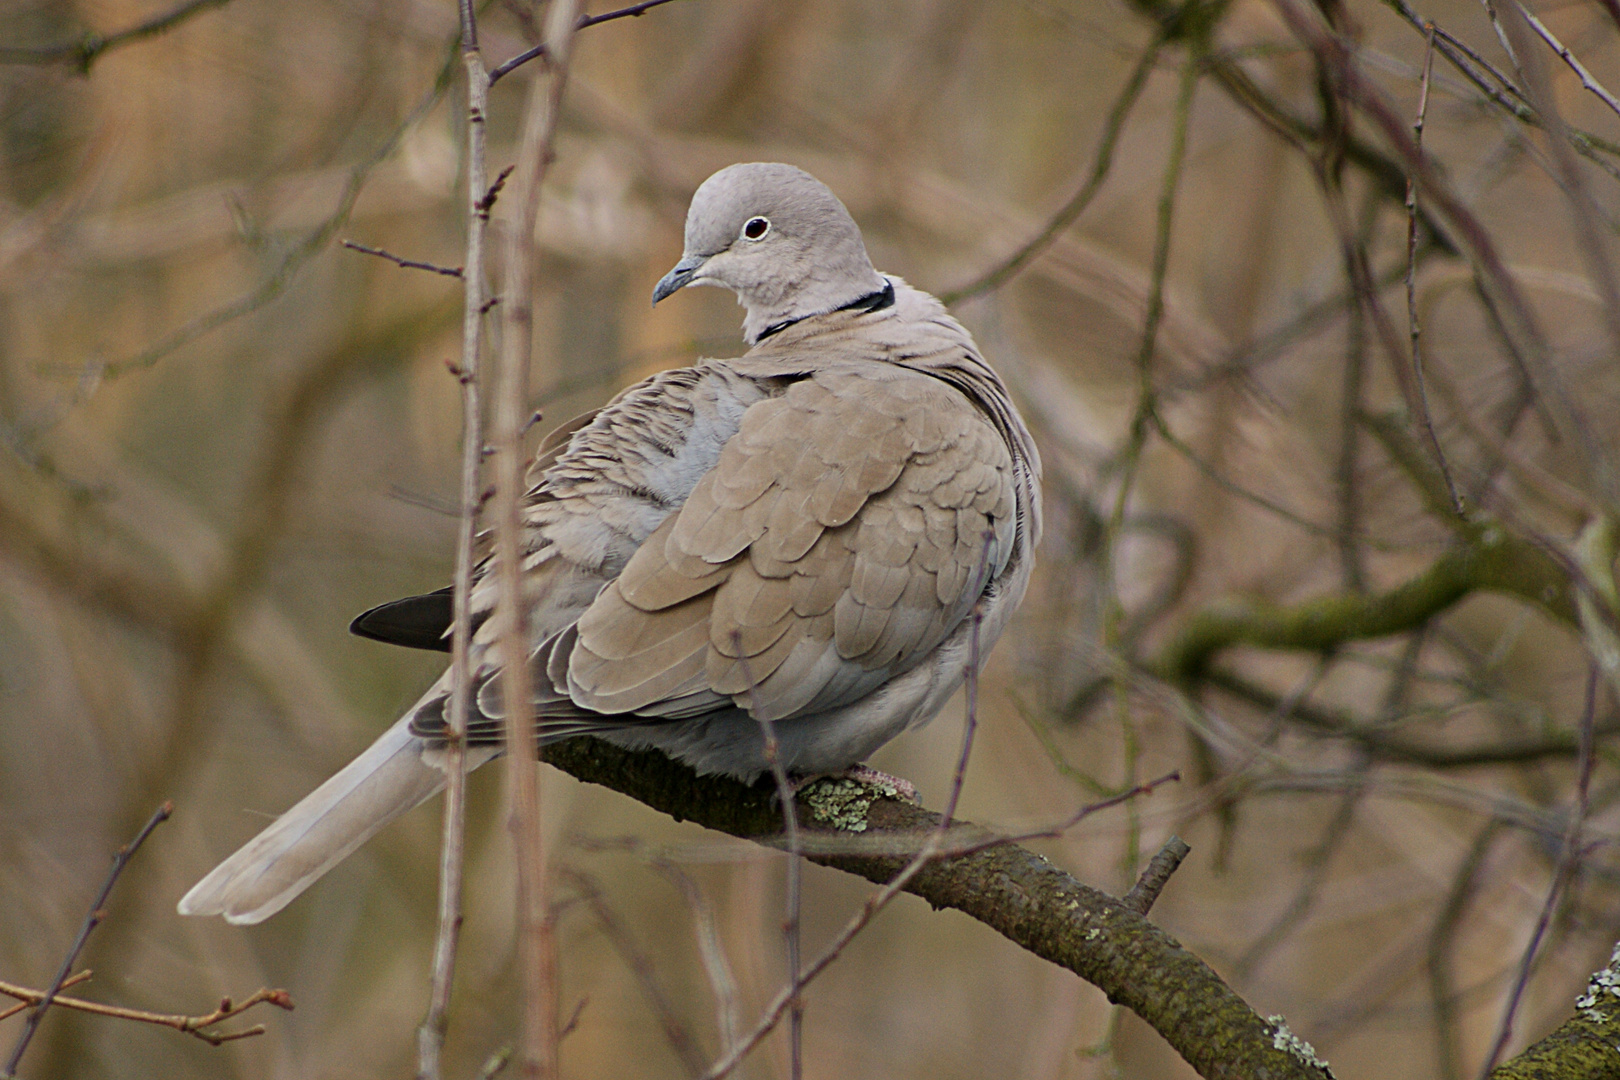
x,y
865,774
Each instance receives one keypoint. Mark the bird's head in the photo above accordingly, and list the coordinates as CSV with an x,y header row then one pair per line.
x,y
777,237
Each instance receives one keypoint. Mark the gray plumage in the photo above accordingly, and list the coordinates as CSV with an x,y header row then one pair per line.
x,y
799,534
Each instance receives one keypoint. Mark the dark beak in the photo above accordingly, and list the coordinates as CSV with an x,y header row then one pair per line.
x,y
680,276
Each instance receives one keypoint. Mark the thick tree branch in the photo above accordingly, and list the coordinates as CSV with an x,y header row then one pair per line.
x,y
1007,887
1489,560
1046,911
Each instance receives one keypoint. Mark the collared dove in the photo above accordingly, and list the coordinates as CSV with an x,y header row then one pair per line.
x,y
799,534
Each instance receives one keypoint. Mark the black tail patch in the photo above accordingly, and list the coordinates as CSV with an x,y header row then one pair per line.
x,y
416,622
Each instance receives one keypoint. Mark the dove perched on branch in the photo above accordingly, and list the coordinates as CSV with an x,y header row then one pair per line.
x,y
799,534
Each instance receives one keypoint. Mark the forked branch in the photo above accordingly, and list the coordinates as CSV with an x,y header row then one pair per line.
x,y
197,1026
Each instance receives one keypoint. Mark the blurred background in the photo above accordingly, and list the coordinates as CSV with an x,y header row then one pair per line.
x,y
222,435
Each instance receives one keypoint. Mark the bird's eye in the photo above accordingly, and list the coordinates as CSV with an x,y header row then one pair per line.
x,y
756,228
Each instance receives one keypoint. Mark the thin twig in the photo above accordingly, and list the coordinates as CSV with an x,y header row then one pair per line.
x,y
401,261
641,966
1363,285
84,51
1563,872
536,930
1518,318
1378,740
721,980
285,271
30,999
1422,396
1101,164
1156,875
1232,487
191,1025
1144,421
486,202
1510,98
970,719
1346,470
1501,35
1442,938
795,886
1312,317
1317,863
1444,38
98,912
584,21
1569,58
1583,209
452,849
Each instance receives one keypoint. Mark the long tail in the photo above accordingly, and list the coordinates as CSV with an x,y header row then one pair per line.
x,y
394,774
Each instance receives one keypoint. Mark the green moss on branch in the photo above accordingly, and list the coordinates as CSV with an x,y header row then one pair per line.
x,y
1487,560
1587,1046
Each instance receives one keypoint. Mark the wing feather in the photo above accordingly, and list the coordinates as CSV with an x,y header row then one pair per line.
x,y
833,545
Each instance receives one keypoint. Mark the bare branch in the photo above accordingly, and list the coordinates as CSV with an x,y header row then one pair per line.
x,y
1415,331
83,52
584,21
1569,58
1492,562
1568,863
1518,317
1384,745
408,264
285,271
30,998
715,965
98,911
1581,1048
1156,875
1588,229
537,1056
452,851
191,1025
1505,93
1102,162
675,1032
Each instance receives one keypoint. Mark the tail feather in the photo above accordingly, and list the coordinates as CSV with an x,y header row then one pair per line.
x,y
389,778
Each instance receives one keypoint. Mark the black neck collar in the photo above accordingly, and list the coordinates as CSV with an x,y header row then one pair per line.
x,y
875,301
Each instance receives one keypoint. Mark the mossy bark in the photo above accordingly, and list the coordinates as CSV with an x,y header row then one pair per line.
x,y
1007,887
1586,1047
1042,909
1487,560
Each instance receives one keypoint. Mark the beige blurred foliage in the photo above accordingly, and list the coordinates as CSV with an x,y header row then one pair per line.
x,y
222,435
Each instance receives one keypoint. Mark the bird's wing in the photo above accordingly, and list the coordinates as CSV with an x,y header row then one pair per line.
x,y
845,530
